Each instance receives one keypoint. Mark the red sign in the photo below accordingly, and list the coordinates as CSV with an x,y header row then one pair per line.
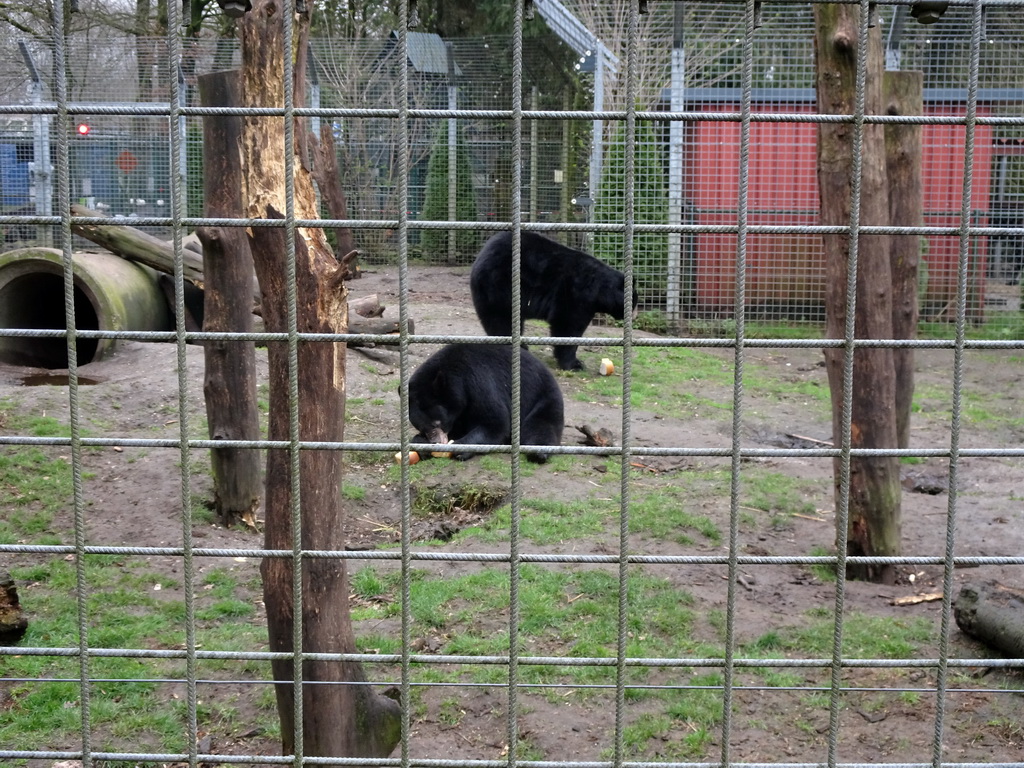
x,y
127,162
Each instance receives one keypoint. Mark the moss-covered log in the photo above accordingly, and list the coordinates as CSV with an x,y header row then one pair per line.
x,y
993,614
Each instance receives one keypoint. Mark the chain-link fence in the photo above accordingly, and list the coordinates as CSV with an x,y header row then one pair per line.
x,y
670,590
688,172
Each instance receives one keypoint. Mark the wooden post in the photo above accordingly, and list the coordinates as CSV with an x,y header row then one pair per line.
x,y
453,155
904,96
229,383
346,720
874,508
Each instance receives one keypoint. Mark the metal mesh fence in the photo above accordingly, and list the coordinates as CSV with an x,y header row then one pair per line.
x,y
120,165
665,597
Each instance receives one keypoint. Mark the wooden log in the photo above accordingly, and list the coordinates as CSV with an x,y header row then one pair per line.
x,y
229,382
194,300
904,96
597,437
136,245
873,524
356,324
351,262
375,325
993,614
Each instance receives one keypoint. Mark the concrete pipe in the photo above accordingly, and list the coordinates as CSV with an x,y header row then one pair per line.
x,y
110,294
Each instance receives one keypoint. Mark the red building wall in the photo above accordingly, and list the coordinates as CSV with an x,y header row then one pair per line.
x,y
786,271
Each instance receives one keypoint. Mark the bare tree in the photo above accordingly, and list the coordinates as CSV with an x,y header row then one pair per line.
x,y
873,523
340,720
365,73
86,43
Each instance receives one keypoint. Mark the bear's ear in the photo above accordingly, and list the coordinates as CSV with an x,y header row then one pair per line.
x,y
439,381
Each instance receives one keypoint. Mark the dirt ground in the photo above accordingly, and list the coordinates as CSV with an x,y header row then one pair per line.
x,y
135,499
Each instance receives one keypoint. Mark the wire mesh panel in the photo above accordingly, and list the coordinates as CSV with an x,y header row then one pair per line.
x,y
664,584
119,163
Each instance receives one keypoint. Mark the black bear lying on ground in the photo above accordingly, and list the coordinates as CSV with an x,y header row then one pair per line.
x,y
561,285
463,393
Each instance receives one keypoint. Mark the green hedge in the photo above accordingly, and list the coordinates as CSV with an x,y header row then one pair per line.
x,y
434,242
650,196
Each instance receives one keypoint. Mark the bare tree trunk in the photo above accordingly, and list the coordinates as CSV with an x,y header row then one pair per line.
x,y
904,96
325,170
874,510
339,720
229,384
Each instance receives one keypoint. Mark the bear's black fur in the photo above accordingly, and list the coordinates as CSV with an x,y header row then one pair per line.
x,y
562,285
463,393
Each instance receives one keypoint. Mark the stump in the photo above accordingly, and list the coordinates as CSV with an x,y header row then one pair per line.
x,y
13,622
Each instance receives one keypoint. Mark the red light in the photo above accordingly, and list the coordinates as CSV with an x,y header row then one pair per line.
x,y
83,129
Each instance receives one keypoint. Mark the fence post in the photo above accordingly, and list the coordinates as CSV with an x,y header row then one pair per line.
x,y
673,290
42,178
453,157
534,151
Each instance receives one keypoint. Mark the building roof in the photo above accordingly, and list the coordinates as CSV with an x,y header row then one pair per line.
x,y
428,53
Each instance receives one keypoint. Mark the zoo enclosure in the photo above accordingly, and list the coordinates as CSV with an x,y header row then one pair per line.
x,y
627,562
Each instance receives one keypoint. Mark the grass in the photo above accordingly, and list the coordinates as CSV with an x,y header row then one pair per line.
x,y
637,735
778,495
977,407
569,613
662,514
823,572
545,521
442,500
124,610
864,636
680,380
129,604
659,513
34,484
565,611
498,466
666,386
684,729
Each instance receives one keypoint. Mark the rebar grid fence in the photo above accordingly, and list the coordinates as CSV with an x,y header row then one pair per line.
x,y
637,633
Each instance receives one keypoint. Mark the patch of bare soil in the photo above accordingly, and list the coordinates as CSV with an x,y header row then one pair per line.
x,y
886,715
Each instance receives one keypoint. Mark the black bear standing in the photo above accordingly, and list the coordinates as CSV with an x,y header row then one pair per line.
x,y
463,393
561,285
